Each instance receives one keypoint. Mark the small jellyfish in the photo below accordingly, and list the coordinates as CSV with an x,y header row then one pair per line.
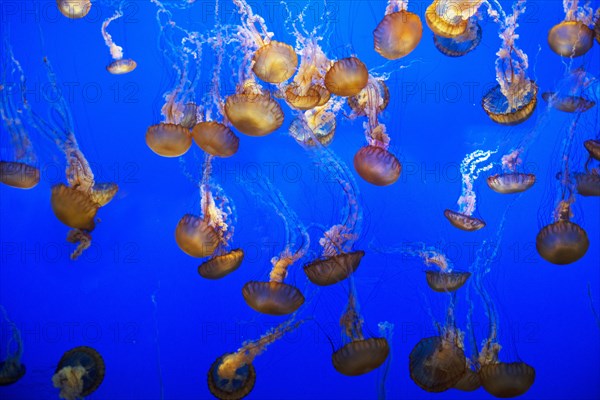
x,y
379,90
221,265
569,104
360,355
79,373
333,269
119,65
593,147
215,138
195,236
232,376
464,222
507,379
572,94
437,363
449,18
509,183
275,62
74,9
588,183
347,77
314,127
444,279
11,369
573,37
399,33
462,44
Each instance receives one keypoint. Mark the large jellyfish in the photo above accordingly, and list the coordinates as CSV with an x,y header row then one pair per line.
x,y
74,9
399,33
573,37
76,203
347,77
11,369
374,162
232,375
449,18
183,49
119,65
470,168
276,297
19,167
79,373
359,355
514,99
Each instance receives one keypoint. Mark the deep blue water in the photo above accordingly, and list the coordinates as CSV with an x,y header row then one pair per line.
x,y
137,299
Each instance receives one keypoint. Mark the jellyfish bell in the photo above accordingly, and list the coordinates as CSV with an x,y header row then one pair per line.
x,y
253,113
79,373
593,147
469,382
219,266
168,140
19,175
376,165
436,364
462,44
496,106
588,184
318,124
397,35
121,66
273,298
195,237
329,270
74,9
346,77
189,115
464,222
358,103
506,380
360,356
511,182
275,62
215,138
234,387
73,207
562,242
569,104
103,193
570,38
440,281
302,101
11,372
440,25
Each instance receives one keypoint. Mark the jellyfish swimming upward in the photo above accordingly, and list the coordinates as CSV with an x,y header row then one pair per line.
x,y
399,33
11,369
119,65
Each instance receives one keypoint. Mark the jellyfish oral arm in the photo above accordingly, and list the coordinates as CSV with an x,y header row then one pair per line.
x,y
116,52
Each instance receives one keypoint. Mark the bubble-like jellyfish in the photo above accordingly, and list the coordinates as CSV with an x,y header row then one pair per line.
x,y
510,181
572,95
76,203
346,77
19,168
462,44
449,18
471,166
79,373
232,375
183,50
359,355
573,37
119,65
399,32
11,369
74,9
514,99
374,162
276,297
445,279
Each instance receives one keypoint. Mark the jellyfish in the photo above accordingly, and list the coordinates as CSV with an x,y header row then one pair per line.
x,y
79,373
386,330
588,183
359,355
593,148
572,95
446,279
347,77
462,44
510,181
449,18
19,169
11,369
183,49
119,65
470,168
514,99
232,375
374,162
276,297
76,203
399,33
573,36
74,9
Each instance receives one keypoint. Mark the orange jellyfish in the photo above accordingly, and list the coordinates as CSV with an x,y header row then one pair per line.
x,y
79,373
593,148
470,168
399,33
359,355
462,44
588,183
11,369
507,379
74,9
510,181
572,95
449,18
444,280
346,77
314,127
119,65
232,375
22,172
360,102
215,138
276,297
374,162
573,36
514,99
